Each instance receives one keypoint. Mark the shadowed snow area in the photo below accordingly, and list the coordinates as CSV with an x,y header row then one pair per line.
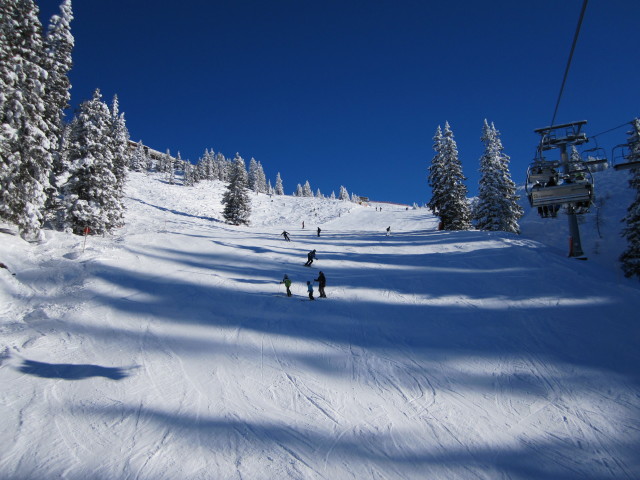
x,y
171,351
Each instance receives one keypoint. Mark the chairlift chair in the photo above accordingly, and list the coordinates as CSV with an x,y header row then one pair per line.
x,y
595,159
626,157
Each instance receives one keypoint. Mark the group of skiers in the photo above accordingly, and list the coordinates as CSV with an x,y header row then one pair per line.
x,y
311,256
322,282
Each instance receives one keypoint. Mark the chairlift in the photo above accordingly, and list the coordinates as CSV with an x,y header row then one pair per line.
x,y
595,159
541,171
547,187
626,156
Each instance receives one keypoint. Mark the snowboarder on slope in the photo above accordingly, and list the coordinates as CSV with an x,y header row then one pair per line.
x,y
285,234
310,256
287,283
310,290
322,282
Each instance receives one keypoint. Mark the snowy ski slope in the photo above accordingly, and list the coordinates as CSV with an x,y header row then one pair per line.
x,y
169,350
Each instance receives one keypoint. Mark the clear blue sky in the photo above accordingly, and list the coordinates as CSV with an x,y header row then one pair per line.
x,y
350,93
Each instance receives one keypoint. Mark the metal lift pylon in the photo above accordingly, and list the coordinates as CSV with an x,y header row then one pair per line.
x,y
559,136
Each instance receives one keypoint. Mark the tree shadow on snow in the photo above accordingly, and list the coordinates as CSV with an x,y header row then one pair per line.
x,y
67,371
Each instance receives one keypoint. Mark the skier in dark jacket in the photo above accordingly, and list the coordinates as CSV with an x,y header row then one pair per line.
x,y
319,231
285,234
322,282
310,256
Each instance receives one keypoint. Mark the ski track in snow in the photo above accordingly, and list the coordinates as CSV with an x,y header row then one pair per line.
x,y
169,350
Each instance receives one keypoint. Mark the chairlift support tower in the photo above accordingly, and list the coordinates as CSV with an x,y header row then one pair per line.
x,y
559,136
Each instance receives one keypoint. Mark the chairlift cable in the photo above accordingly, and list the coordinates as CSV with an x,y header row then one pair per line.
x,y
610,130
573,47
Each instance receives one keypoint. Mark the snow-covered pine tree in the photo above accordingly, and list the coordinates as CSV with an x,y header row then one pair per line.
x,y
279,186
344,194
119,136
237,205
630,258
261,180
306,190
497,207
25,147
252,177
58,45
333,195
164,165
224,167
319,194
89,191
436,174
449,194
298,192
138,160
188,178
213,166
201,165
171,174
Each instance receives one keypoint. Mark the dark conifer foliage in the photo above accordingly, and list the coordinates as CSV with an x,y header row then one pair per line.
x,y
90,193
630,258
237,206
25,136
497,208
449,194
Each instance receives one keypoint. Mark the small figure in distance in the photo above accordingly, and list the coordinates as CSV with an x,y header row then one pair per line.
x,y
319,231
310,257
285,234
388,230
287,283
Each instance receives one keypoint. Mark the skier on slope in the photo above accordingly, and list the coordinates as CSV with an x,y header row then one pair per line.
x,y
310,257
322,282
319,231
388,230
310,290
287,283
285,234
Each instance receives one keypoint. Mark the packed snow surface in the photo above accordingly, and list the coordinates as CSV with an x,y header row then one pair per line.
x,y
170,350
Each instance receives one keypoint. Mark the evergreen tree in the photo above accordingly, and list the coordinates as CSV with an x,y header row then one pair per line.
x,y
252,177
261,180
279,186
344,194
138,161
121,157
171,173
630,258
449,193
333,195
299,192
306,190
224,167
58,46
319,194
188,178
25,146
237,206
89,193
497,206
